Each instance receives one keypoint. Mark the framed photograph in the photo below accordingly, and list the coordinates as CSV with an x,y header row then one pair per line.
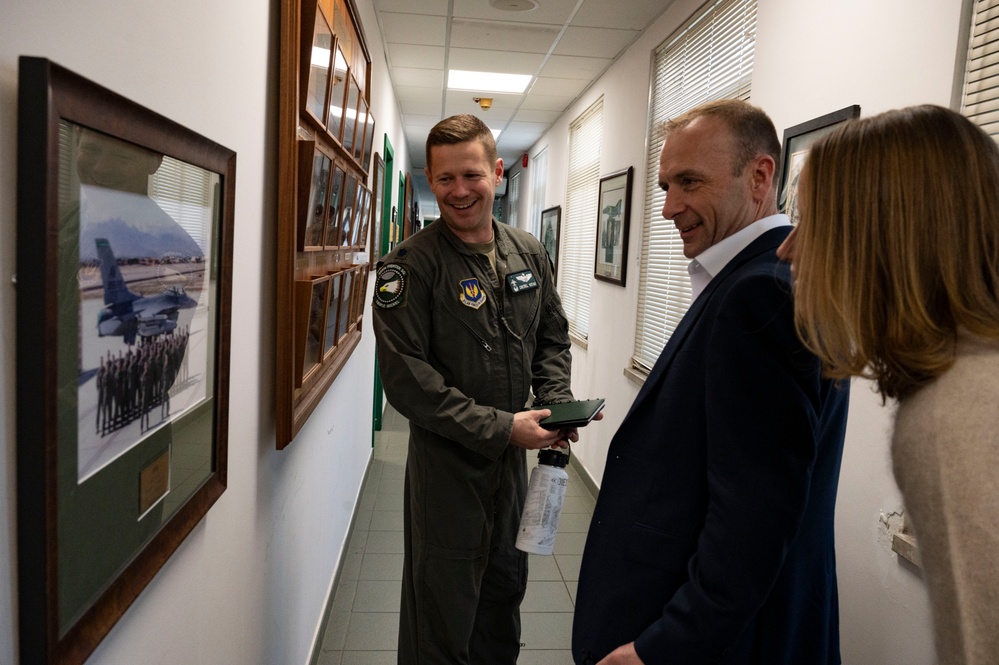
x,y
314,90
332,312
338,94
336,203
613,215
347,209
124,280
794,149
551,219
347,304
311,299
351,115
313,193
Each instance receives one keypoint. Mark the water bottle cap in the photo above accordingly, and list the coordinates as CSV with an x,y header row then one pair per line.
x,y
552,457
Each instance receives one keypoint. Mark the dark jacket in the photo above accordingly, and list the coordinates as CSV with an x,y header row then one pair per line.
x,y
712,537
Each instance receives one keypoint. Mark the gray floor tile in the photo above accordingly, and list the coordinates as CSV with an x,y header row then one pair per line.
x,y
374,631
546,597
389,500
369,658
329,658
578,504
565,543
386,542
343,599
568,565
386,520
381,566
378,596
546,630
545,657
574,522
542,568
351,566
336,631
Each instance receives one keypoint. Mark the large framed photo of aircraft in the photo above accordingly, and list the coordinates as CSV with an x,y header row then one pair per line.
x,y
124,280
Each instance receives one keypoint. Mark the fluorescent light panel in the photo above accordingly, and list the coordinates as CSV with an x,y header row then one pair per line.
x,y
458,79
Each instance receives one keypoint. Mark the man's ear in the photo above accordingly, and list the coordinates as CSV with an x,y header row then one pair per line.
x,y
499,171
762,173
430,179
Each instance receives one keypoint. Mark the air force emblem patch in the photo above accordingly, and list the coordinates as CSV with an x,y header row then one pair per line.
x,y
390,288
471,295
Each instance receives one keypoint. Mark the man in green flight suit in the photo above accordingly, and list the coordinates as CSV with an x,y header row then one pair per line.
x,y
468,322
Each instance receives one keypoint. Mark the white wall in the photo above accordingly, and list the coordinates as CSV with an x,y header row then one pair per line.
x,y
250,583
812,57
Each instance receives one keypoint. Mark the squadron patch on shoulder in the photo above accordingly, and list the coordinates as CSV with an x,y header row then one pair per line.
x,y
390,287
471,295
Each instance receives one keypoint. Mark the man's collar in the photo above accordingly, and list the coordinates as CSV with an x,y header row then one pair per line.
x,y
716,257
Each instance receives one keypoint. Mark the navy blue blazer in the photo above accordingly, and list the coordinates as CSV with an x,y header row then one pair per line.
x,y
712,537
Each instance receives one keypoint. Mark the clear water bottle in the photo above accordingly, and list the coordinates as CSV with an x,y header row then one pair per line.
x,y
545,493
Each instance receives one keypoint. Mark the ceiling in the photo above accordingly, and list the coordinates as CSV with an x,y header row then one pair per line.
x,y
564,44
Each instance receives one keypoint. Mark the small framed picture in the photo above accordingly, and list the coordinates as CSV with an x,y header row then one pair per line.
x,y
797,141
551,218
613,215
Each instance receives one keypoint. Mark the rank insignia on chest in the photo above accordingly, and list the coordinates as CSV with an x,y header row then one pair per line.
x,y
390,288
521,281
471,295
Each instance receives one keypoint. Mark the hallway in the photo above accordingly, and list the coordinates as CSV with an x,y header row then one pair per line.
x,y
364,621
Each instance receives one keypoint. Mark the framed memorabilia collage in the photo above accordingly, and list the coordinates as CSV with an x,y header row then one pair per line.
x,y
551,218
124,281
327,134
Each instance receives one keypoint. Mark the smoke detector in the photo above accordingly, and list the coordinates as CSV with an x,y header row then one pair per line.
x,y
485,103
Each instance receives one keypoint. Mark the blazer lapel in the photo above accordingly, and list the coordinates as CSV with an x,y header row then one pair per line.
x,y
769,241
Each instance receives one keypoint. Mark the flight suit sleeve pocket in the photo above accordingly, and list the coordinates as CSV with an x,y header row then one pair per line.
x,y
658,549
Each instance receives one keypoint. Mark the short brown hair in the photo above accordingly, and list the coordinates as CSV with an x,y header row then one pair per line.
x,y
752,129
460,129
898,245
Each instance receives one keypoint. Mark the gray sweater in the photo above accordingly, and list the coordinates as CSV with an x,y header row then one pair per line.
x,y
946,458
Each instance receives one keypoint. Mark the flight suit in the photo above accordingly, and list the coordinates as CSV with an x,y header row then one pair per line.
x,y
460,348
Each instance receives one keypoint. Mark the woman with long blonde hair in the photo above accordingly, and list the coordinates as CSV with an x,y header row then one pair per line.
x,y
896,265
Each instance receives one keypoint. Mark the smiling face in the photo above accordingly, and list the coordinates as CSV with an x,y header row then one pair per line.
x,y
706,200
464,180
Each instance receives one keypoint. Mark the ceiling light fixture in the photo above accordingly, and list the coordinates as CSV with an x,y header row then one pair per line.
x,y
514,5
458,79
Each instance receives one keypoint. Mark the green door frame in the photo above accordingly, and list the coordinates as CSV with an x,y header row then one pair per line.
x,y
389,153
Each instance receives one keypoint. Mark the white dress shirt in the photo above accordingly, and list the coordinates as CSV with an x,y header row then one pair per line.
x,y
711,261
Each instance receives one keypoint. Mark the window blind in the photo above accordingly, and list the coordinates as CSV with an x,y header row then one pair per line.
x,y
585,137
514,202
539,178
710,57
980,101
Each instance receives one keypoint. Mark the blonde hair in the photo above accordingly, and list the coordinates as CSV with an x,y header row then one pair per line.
x,y
898,245
461,129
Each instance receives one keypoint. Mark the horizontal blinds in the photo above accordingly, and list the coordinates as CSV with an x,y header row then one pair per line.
x,y
710,57
585,137
981,80
514,203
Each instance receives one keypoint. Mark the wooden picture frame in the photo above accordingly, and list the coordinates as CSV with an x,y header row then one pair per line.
x,y
794,148
551,220
314,195
112,284
377,188
613,219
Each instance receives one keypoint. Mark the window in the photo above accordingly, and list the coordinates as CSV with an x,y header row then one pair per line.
x,y
539,181
708,58
514,200
980,98
585,137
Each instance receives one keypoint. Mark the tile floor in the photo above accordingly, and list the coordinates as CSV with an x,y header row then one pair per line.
x,y
364,620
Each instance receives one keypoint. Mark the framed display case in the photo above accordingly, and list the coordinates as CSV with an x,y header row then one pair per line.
x,y
124,284
326,131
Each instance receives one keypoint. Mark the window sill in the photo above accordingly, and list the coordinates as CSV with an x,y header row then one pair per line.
x,y
579,341
635,375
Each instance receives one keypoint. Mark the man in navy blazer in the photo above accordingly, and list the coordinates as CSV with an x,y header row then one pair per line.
x,y
712,537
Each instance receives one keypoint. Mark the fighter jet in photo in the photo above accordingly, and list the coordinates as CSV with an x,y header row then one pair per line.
x,y
128,314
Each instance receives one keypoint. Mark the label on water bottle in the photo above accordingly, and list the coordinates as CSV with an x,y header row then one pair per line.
x,y
542,508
